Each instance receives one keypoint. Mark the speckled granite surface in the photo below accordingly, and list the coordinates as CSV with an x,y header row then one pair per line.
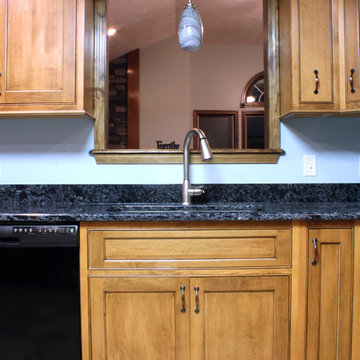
x,y
73,203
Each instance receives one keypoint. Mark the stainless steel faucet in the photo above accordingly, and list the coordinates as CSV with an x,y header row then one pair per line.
x,y
188,191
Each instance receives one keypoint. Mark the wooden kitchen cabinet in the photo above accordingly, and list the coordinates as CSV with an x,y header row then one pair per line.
x,y
319,48
330,284
240,318
138,319
220,290
147,319
147,296
352,54
46,57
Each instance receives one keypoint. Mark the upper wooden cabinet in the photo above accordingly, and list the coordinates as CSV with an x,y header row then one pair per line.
x,y
319,56
352,54
46,56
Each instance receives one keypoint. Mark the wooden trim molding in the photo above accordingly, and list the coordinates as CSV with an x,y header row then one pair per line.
x,y
133,99
243,156
272,111
100,74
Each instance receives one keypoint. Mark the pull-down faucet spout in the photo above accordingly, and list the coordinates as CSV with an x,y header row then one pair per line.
x,y
188,191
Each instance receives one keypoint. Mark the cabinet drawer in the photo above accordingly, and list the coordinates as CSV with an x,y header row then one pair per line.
x,y
184,248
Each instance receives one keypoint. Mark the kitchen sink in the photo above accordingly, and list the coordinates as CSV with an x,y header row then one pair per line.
x,y
162,208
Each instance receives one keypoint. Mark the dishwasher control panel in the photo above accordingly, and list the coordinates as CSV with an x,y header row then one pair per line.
x,y
40,235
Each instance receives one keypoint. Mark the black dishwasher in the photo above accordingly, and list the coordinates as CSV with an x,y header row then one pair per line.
x,y
39,292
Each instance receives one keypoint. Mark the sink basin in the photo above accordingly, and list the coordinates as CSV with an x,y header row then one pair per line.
x,y
162,208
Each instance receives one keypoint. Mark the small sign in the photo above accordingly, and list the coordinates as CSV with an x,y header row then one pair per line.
x,y
172,145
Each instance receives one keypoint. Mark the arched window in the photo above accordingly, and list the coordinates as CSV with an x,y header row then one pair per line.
x,y
252,113
253,92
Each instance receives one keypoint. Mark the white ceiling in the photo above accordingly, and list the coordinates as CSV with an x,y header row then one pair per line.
x,y
140,23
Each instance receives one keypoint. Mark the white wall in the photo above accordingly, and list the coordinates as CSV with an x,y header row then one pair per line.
x,y
56,151
219,73
164,93
173,83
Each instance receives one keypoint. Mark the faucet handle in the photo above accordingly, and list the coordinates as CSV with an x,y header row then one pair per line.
x,y
196,190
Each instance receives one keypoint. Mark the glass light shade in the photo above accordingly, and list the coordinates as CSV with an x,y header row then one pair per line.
x,y
190,29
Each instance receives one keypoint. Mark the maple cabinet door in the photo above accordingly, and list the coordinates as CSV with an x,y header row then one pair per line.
x,y
240,318
138,319
38,51
352,54
330,294
316,51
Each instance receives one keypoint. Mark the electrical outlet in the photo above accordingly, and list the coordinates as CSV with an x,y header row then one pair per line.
x,y
310,165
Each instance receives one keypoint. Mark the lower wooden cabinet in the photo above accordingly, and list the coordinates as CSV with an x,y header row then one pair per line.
x,y
240,318
138,319
189,301
330,286
198,318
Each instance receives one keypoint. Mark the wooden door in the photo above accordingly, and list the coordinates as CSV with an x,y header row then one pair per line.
x,y
352,54
139,319
38,51
316,62
240,318
330,294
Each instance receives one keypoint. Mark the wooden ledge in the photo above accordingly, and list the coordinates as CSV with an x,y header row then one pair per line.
x,y
244,156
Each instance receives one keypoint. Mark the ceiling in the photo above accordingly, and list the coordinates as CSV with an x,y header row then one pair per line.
x,y
140,23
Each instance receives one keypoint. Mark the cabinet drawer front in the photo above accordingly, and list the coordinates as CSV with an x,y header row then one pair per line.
x,y
189,248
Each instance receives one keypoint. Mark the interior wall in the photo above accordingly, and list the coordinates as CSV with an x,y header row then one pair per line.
x,y
220,73
173,83
56,151
164,93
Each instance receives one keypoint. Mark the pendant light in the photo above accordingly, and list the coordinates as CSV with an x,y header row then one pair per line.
x,y
190,29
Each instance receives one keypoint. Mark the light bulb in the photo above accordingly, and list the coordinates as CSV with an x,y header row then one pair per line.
x,y
111,32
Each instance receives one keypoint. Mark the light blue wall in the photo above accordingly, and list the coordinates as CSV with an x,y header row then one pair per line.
x,y
56,151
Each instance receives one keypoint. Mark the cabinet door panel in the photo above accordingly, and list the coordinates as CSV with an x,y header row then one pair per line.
x,y
138,319
38,62
240,318
352,53
316,50
329,295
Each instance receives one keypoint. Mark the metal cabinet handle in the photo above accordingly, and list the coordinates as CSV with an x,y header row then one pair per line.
x,y
316,91
316,251
0,84
197,310
182,288
351,80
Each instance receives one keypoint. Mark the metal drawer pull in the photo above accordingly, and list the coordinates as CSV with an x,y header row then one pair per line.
x,y
315,251
182,288
316,91
197,310
351,80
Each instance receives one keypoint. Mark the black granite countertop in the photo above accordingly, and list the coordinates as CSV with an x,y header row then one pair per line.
x,y
164,212
74,203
